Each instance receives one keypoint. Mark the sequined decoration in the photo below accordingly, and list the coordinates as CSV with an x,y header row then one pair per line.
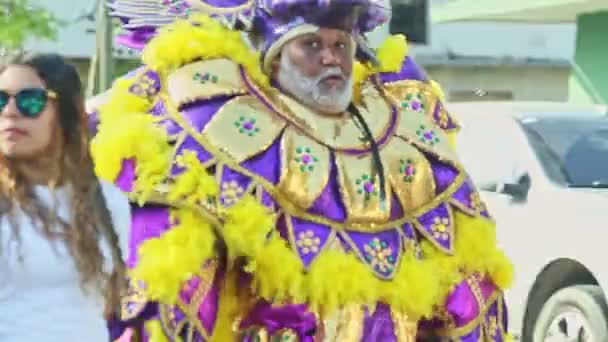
x,y
367,187
379,255
476,203
305,159
147,85
205,78
408,170
231,192
444,119
440,228
247,125
413,102
427,136
308,242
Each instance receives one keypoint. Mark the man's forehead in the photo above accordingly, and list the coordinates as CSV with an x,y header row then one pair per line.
x,y
324,32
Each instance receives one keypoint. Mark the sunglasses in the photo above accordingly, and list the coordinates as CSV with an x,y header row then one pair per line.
x,y
30,102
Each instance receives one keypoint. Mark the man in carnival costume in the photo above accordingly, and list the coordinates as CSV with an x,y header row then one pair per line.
x,y
303,189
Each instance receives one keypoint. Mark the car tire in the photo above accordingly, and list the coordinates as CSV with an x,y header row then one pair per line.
x,y
587,302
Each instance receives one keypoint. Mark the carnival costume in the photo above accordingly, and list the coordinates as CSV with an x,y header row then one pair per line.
x,y
256,219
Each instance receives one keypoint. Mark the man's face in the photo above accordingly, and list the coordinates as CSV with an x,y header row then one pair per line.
x,y
316,69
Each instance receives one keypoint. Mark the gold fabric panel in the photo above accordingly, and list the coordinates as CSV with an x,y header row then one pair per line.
x,y
340,131
203,80
360,189
410,174
421,131
413,95
243,128
305,168
405,329
346,325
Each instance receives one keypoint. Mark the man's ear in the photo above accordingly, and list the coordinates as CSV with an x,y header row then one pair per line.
x,y
275,66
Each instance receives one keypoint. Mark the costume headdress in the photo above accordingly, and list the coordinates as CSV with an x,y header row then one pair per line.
x,y
271,22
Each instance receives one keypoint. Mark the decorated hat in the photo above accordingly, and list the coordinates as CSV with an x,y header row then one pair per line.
x,y
271,22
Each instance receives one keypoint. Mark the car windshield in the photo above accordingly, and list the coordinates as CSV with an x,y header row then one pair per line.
x,y
573,151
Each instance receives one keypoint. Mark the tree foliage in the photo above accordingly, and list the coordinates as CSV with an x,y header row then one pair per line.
x,y
21,20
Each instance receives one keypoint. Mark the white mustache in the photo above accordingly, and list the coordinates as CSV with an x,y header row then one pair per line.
x,y
330,72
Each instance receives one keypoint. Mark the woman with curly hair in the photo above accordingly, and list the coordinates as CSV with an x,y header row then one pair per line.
x,y
59,241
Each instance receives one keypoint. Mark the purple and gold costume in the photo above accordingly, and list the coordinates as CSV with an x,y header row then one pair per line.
x,y
211,154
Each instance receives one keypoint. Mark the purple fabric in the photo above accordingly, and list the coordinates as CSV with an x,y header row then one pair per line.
x,y
464,196
275,318
190,144
267,164
409,71
446,123
462,305
429,219
371,245
274,18
379,326
146,222
199,114
126,177
318,235
230,177
444,174
93,122
117,327
329,204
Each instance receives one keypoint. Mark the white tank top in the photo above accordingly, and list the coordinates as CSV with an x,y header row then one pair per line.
x,y
40,295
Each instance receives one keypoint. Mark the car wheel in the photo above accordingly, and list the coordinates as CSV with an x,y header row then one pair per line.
x,y
573,314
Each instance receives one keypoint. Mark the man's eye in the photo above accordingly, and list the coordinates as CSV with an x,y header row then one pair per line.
x,y
341,45
313,44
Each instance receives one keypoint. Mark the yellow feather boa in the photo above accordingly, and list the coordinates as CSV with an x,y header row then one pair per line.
x,y
126,131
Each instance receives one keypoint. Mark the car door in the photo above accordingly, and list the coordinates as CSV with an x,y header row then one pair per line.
x,y
495,151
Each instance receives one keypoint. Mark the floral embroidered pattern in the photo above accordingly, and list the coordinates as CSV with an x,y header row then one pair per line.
x,y
205,77
379,255
407,170
308,242
231,192
247,125
147,85
413,102
440,228
427,136
367,187
476,202
305,159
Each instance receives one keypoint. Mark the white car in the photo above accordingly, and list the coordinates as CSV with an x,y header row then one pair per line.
x,y
542,169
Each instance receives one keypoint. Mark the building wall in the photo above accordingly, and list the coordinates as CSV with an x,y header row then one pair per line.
x,y
502,82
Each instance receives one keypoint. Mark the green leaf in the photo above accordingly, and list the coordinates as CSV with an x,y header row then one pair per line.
x,y
22,20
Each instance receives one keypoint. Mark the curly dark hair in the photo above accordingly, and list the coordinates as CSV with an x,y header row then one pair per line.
x,y
90,218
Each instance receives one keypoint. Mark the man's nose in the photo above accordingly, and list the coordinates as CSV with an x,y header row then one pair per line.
x,y
329,57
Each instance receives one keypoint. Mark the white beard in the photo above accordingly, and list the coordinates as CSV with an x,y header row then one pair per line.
x,y
311,92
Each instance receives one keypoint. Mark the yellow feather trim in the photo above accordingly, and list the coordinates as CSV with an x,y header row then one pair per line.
x,y
182,42
122,140
476,251
390,55
193,185
167,262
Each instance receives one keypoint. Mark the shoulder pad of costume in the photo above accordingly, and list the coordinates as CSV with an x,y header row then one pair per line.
x,y
205,80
